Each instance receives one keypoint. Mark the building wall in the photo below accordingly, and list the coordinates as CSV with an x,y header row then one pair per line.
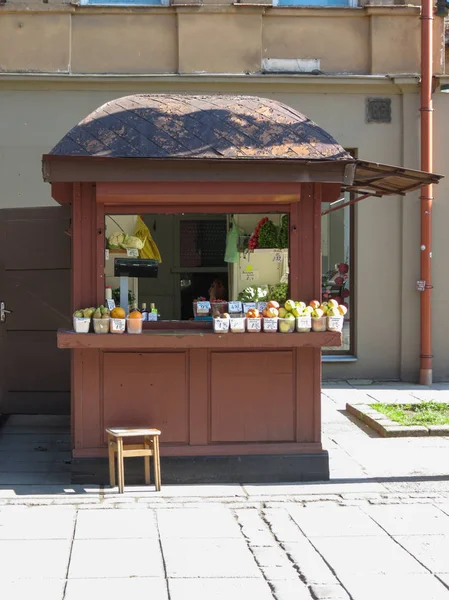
x,y
59,62
387,229
224,38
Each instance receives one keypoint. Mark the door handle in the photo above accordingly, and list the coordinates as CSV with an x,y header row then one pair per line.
x,y
3,312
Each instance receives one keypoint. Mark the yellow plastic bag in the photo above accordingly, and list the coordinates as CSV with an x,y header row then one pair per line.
x,y
150,249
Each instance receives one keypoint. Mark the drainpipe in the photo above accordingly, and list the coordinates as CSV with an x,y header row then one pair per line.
x,y
426,198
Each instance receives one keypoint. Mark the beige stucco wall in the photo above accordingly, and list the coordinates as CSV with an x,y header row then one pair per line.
x,y
209,38
387,233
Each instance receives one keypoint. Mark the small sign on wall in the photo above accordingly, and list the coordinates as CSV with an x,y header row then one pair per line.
x,y
249,276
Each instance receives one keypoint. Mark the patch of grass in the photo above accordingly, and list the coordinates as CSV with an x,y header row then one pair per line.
x,y
424,413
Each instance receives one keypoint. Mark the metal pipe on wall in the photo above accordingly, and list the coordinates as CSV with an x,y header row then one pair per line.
x,y
426,197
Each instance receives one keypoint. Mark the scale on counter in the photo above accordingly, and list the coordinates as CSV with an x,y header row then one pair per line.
x,y
133,267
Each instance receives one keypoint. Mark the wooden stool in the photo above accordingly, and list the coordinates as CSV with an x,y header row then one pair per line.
x,y
150,447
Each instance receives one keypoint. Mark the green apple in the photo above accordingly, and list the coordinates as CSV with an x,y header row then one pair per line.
x,y
284,326
333,312
290,305
296,311
289,316
317,313
301,305
282,312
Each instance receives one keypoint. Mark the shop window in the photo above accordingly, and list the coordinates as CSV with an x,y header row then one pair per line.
x,y
337,242
195,263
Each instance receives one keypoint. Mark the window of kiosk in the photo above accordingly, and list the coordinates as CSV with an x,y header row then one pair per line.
x,y
215,258
337,242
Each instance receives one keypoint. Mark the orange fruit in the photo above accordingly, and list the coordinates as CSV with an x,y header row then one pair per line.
x,y
118,313
135,315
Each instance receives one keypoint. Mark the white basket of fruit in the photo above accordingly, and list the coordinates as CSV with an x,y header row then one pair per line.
x,y
335,316
100,319
237,324
253,321
271,317
81,319
221,323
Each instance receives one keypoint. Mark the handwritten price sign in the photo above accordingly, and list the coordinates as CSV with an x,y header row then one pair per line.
x,y
270,325
221,325
203,308
235,306
248,306
277,258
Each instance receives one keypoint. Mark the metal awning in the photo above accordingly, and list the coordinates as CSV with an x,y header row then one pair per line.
x,y
377,179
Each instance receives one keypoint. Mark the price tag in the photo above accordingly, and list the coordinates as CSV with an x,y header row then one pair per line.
x,y
132,253
277,258
253,324
235,306
110,304
249,276
203,308
270,324
118,324
221,324
248,306
261,306
335,323
106,254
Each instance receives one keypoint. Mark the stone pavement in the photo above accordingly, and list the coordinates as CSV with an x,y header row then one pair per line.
x,y
378,529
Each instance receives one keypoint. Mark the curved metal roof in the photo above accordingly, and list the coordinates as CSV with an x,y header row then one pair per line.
x,y
199,127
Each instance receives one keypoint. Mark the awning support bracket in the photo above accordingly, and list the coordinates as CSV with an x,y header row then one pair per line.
x,y
349,203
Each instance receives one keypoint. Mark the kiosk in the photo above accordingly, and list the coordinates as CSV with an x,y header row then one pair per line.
x,y
234,407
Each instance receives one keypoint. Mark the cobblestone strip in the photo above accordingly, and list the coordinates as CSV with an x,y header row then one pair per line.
x,y
278,570
312,569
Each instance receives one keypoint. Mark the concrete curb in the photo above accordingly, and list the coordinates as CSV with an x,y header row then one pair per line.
x,y
388,428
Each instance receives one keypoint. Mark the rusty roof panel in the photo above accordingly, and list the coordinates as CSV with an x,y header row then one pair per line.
x,y
199,126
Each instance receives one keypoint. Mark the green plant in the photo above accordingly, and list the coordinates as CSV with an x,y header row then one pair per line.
x,y
423,413
268,235
116,296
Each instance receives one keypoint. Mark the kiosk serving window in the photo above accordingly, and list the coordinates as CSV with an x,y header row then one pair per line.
x,y
209,257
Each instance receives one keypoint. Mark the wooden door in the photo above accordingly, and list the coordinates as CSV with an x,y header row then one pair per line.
x,y
35,270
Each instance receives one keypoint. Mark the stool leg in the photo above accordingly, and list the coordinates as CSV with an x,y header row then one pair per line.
x,y
146,460
157,463
111,452
120,465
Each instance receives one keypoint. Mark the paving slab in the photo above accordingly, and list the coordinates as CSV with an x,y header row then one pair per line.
x,y
34,559
366,555
412,587
209,522
333,521
417,519
431,550
119,558
271,556
290,590
309,563
254,528
304,488
182,491
280,573
38,589
116,523
220,589
129,587
329,592
208,558
38,523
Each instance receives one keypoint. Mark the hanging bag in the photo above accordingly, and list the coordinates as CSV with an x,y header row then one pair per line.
x,y
232,243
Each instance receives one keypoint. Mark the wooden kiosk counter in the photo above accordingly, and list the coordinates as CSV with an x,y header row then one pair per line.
x,y
240,399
